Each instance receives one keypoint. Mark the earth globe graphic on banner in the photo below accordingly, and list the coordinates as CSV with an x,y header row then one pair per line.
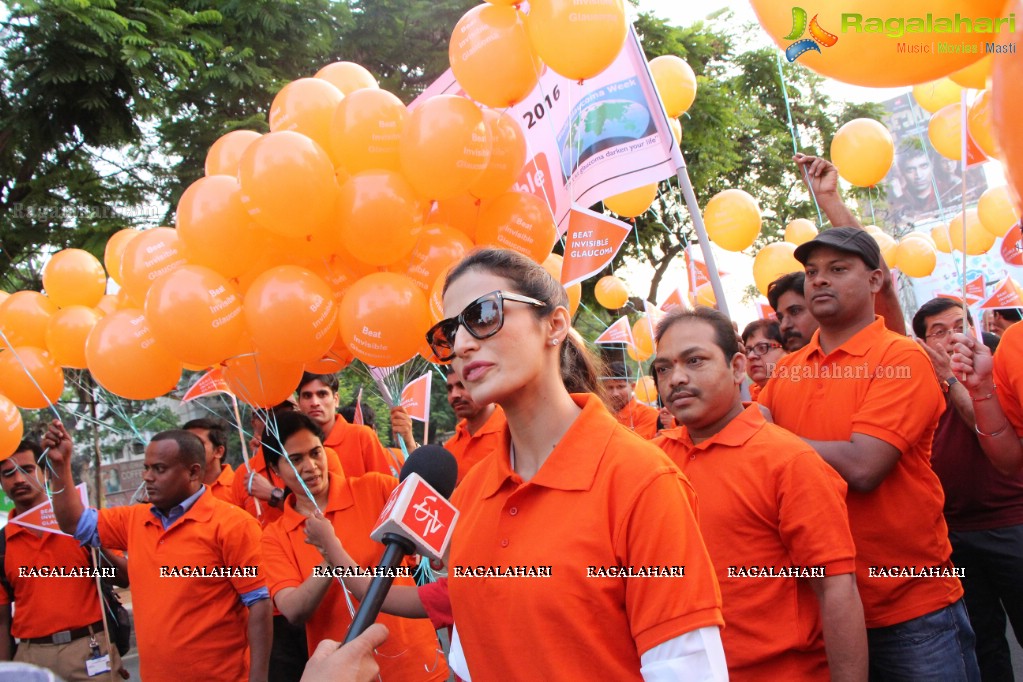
x,y
600,126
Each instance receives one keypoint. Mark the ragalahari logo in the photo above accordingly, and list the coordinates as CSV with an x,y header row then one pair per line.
x,y
818,36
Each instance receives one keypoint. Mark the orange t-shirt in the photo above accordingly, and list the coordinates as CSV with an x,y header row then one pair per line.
x,y
880,384
359,449
470,449
604,499
640,418
196,622
257,463
767,500
47,604
223,487
754,391
353,506
1008,375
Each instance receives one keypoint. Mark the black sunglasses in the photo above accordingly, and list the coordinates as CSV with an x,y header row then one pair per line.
x,y
482,318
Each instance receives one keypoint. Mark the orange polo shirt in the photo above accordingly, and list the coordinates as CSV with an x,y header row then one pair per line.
x,y
47,604
1008,375
258,464
469,449
767,500
640,418
604,499
359,449
196,626
880,384
223,487
754,391
353,505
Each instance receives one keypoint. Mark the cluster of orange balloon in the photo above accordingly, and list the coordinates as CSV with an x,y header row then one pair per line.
x,y
916,254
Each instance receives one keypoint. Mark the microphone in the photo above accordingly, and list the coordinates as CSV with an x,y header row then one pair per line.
x,y
416,518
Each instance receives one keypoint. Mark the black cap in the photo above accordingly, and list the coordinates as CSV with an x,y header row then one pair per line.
x,y
850,239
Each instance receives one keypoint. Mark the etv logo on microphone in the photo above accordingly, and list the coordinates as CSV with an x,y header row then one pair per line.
x,y
418,512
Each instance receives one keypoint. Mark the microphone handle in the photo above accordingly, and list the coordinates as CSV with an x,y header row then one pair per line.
x,y
396,549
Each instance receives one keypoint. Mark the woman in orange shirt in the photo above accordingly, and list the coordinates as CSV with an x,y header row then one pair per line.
x,y
567,505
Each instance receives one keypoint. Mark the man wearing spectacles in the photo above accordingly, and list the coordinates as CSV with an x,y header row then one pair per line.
x,y
621,402
762,340
983,497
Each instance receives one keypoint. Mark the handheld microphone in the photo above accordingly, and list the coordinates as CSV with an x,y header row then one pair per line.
x,y
416,518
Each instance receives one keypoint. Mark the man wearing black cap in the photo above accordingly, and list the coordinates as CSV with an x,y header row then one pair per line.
x,y
621,401
866,400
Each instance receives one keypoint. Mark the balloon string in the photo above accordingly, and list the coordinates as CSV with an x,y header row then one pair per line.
x,y
794,134
870,200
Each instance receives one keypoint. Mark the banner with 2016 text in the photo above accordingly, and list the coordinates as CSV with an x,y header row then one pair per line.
x,y
591,140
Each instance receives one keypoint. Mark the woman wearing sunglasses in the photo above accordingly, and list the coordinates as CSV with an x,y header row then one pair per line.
x,y
763,342
569,505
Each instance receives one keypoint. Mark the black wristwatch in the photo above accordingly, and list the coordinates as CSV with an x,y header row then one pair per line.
x,y
950,382
276,497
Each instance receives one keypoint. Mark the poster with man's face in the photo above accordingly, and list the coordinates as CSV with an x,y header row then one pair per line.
x,y
922,186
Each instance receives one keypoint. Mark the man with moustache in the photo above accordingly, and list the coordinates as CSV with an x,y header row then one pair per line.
x,y
866,400
621,402
772,514
199,594
58,620
479,427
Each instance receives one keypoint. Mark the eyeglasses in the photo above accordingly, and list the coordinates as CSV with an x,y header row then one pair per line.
x,y
762,348
482,318
942,333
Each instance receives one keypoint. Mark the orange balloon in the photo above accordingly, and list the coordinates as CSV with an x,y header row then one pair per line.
x,y
12,429
868,50
575,296
643,338
889,247
436,300
215,229
633,202
196,315
646,390
916,257
151,255
366,131
380,216
23,319
282,172
445,146
945,131
336,359
106,305
553,264
290,314
66,334
863,151
491,56
518,221
577,40
347,77
975,75
306,106
339,273
611,292
384,318
127,360
705,296
978,240
978,122
996,211
800,231
773,261
260,382
438,248
461,212
74,277
226,152
114,250
1006,105
30,377
507,157
733,219
676,84
941,237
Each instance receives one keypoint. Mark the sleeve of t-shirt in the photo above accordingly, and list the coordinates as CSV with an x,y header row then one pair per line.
x,y
278,563
112,526
813,519
437,603
902,401
241,542
1008,376
374,457
663,607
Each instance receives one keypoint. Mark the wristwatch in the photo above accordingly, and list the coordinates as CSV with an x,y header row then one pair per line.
x,y
950,382
276,497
